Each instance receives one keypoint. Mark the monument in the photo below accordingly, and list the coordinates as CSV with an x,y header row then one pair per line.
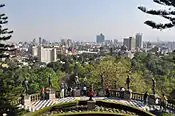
x,y
153,86
25,85
26,97
51,93
77,91
102,91
128,92
153,99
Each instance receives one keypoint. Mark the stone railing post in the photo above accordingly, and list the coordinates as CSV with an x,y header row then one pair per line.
x,y
153,99
26,100
52,95
128,94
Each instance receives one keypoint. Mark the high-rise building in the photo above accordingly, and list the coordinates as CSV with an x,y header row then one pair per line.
x,y
69,42
34,51
130,43
115,42
47,54
126,42
139,43
100,38
40,40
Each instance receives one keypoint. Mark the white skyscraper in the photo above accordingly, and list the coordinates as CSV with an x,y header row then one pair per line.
x,y
47,54
139,43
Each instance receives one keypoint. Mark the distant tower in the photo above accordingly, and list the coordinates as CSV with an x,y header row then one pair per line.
x,y
132,42
139,43
40,40
129,42
100,38
126,42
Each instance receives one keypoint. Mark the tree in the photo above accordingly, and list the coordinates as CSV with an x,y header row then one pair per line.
x,y
167,14
4,36
9,82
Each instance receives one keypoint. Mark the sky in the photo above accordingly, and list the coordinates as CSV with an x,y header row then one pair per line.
x,y
82,20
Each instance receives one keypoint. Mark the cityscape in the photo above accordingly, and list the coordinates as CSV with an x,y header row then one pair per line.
x,y
47,52
69,63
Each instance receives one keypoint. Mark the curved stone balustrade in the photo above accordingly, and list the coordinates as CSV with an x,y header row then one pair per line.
x,y
140,97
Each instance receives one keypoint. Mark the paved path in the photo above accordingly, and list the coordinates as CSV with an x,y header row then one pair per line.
x,y
45,103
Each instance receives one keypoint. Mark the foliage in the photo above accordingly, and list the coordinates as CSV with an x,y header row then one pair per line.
x,y
9,82
167,14
92,113
5,35
46,109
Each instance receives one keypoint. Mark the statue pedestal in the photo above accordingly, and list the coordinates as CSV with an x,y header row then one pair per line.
x,y
52,96
101,93
26,100
153,99
91,105
76,92
128,94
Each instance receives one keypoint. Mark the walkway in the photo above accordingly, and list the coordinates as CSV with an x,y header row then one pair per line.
x,y
45,103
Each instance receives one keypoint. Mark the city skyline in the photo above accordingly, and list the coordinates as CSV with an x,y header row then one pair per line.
x,y
81,20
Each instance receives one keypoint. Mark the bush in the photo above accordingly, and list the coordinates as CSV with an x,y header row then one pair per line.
x,y
90,114
124,107
52,108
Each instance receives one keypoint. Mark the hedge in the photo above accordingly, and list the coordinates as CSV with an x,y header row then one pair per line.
x,y
50,108
121,106
90,114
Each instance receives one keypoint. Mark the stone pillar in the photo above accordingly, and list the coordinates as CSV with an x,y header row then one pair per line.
x,y
101,93
91,105
26,100
153,99
76,92
52,96
128,94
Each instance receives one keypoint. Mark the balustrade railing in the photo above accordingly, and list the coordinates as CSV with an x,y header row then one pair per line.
x,y
114,93
34,97
140,97
137,96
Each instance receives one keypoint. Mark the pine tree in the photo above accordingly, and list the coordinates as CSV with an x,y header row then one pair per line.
x,y
5,35
9,82
167,14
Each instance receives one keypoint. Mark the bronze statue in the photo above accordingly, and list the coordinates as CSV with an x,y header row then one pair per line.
x,y
76,80
128,82
50,81
153,85
25,85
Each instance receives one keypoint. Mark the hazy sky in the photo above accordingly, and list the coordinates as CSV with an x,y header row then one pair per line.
x,y
81,19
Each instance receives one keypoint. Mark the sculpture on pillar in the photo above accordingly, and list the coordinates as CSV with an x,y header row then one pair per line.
x,y
25,85
77,82
50,82
102,81
153,85
128,80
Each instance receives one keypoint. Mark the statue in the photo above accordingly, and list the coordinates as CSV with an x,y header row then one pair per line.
x,y
128,82
77,80
25,85
102,81
50,82
153,85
